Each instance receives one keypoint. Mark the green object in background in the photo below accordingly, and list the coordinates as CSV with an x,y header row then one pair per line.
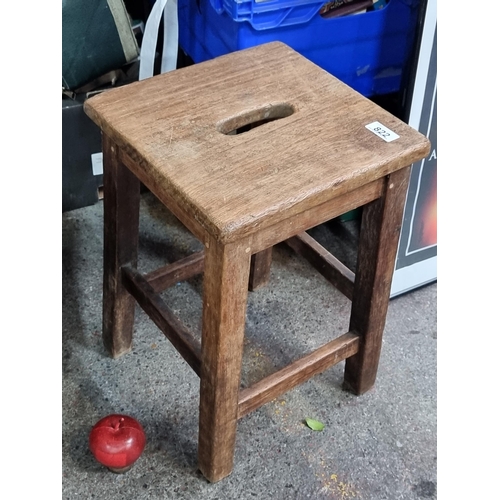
x,y
96,38
352,215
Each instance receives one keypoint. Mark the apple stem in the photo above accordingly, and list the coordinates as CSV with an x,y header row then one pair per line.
x,y
118,423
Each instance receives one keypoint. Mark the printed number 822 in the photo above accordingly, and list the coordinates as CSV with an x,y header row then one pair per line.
x,y
381,132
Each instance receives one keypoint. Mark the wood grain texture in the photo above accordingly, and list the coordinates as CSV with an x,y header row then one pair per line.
x,y
183,269
165,196
323,261
235,185
302,155
297,373
224,304
152,304
379,236
260,269
121,228
314,216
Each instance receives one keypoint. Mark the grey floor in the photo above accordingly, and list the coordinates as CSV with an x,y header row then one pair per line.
x,y
381,445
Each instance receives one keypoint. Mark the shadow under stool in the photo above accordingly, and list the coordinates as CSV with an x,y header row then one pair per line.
x,y
249,150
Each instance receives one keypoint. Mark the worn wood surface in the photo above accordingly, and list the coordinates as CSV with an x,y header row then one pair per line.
x,y
174,127
260,269
225,292
314,216
297,373
248,150
152,304
183,269
379,235
329,266
121,226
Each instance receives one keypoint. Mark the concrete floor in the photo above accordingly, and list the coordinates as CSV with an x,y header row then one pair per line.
x,y
381,445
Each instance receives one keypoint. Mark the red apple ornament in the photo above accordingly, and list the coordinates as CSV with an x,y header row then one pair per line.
x,y
117,441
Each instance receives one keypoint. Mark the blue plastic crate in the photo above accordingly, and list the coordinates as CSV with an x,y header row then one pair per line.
x,y
267,14
367,51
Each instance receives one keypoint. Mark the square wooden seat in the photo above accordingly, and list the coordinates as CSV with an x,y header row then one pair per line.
x,y
249,150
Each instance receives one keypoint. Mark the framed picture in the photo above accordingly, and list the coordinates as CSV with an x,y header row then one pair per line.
x,y
416,261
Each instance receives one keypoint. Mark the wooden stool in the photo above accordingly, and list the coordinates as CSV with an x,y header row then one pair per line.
x,y
249,150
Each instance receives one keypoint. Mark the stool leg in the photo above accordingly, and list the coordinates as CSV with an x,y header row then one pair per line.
x,y
379,236
224,305
260,269
121,229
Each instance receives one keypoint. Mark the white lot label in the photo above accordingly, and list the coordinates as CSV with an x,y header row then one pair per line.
x,y
382,131
96,163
